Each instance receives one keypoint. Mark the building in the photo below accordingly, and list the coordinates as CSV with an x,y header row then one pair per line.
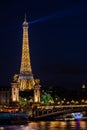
x,y
5,95
9,94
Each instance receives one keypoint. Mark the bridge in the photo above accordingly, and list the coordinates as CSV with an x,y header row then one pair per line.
x,y
53,111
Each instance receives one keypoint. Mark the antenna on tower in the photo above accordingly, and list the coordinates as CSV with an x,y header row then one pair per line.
x,y
25,17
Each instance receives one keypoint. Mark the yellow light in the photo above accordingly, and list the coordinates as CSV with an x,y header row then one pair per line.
x,y
58,103
83,86
72,101
67,102
77,102
82,100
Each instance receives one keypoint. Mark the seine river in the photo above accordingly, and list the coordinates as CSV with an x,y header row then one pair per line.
x,y
49,125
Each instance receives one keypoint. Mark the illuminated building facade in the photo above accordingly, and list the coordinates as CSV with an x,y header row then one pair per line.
x,y
26,80
9,94
5,95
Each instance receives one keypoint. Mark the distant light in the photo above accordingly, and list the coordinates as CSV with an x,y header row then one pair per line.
x,y
2,128
77,115
82,100
83,86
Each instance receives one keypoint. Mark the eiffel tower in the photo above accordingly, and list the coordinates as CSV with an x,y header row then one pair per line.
x,y
26,80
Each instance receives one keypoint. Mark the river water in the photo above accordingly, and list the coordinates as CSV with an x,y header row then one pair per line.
x,y
49,125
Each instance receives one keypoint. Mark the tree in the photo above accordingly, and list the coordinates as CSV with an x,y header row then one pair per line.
x,y
46,97
22,101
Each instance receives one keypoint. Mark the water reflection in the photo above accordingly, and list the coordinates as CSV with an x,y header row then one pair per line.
x,y
49,125
2,128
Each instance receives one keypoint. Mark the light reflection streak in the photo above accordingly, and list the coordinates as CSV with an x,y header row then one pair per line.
x,y
49,125
82,125
2,128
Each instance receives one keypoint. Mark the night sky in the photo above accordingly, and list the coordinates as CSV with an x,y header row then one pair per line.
x,y
58,41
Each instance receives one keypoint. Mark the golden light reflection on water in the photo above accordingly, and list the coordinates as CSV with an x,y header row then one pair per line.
x,y
2,128
73,123
63,124
83,125
53,125
49,125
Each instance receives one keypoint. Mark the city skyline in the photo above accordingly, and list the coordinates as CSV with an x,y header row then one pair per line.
x,y
58,43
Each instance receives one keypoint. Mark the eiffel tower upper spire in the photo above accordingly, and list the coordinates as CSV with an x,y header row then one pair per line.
x,y
25,60
25,17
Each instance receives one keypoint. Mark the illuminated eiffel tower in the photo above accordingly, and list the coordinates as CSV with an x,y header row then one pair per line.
x,y
26,80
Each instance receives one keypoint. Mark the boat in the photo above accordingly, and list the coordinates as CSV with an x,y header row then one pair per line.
x,y
14,118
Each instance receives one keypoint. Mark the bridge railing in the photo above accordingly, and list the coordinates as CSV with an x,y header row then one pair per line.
x,y
60,106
